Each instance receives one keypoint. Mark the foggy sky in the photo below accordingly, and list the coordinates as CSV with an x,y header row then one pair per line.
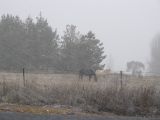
x,y
126,27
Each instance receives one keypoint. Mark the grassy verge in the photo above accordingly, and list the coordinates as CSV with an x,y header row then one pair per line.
x,y
89,96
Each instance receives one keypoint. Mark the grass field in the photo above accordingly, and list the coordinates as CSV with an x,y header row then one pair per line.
x,y
136,96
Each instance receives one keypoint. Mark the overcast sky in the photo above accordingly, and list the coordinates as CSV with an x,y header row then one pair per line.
x,y
126,27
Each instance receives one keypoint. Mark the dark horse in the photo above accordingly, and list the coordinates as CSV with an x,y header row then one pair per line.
x,y
87,72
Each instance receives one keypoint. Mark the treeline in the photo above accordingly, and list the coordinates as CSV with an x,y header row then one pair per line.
x,y
34,44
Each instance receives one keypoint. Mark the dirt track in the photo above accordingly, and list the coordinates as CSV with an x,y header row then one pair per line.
x,y
25,116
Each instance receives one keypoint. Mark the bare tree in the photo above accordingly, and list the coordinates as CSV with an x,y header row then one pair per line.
x,y
155,55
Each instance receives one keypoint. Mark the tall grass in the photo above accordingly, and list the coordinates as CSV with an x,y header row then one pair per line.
x,y
89,96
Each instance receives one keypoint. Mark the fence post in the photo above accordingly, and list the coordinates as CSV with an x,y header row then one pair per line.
x,y
24,81
4,86
121,78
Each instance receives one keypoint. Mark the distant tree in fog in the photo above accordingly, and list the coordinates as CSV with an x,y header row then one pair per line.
x,y
35,45
90,52
135,67
81,51
155,55
12,36
26,44
42,43
69,46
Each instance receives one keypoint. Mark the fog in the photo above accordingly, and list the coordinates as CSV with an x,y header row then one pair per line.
x,y
126,27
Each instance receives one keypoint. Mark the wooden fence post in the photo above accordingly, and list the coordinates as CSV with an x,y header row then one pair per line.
x,y
4,86
121,78
24,80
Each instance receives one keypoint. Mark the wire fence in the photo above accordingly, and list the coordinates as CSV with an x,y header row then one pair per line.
x,y
25,75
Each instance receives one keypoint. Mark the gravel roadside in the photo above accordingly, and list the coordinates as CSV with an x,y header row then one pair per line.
x,y
27,116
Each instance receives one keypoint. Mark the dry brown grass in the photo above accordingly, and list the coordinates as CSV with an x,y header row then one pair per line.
x,y
135,96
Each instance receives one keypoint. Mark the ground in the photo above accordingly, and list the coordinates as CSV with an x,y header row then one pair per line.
x,y
26,116
46,95
57,112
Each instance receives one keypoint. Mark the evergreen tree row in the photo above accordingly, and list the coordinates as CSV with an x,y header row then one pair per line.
x,y
33,44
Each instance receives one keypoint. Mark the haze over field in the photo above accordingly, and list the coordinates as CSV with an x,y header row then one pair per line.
x,y
126,27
